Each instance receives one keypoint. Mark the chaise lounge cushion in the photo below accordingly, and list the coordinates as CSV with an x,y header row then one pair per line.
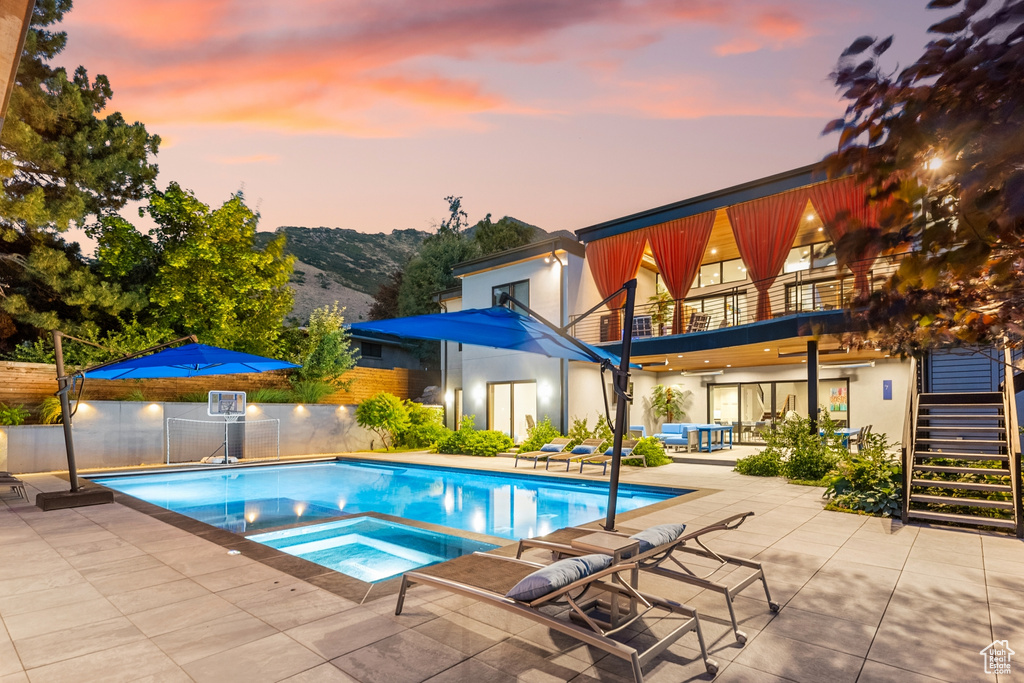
x,y
557,575
551,448
583,450
658,535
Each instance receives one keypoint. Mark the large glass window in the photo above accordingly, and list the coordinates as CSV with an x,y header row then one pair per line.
x,y
725,311
809,256
753,407
711,274
799,259
734,271
511,406
824,295
716,273
519,291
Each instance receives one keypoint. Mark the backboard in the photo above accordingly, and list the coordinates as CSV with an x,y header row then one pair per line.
x,y
225,403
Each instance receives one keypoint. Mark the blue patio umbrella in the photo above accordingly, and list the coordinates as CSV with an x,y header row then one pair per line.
x,y
497,327
191,360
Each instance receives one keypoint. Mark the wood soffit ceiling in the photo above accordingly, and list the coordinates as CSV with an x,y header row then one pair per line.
x,y
723,244
781,352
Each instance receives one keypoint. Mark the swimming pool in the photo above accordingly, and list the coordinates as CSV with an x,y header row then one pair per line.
x,y
506,505
367,548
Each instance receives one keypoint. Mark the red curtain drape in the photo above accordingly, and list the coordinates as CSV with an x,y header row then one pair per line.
x,y
765,230
842,205
614,261
678,248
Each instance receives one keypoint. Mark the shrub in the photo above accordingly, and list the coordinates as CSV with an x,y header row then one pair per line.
x,y
791,450
767,463
135,395
49,411
383,414
311,391
653,452
541,433
602,430
424,427
470,441
578,433
194,397
269,395
870,480
325,353
13,415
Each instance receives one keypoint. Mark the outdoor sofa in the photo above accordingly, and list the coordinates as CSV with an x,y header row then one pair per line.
x,y
678,434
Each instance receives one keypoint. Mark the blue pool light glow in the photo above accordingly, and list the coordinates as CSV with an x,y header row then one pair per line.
x,y
367,548
497,504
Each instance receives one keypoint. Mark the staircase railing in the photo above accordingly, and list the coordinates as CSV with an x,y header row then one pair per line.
x,y
1013,453
909,433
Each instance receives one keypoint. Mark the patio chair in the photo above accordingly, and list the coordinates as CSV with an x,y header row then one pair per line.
x,y
8,480
584,450
627,447
638,431
699,322
492,579
655,556
554,446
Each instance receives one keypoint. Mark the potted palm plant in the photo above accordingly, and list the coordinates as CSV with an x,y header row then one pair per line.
x,y
669,402
661,309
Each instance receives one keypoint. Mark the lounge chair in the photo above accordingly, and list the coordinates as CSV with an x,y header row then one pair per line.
x,y
583,450
653,559
603,459
491,578
8,480
554,446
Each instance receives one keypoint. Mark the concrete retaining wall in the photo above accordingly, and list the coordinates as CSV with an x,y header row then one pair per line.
x,y
128,433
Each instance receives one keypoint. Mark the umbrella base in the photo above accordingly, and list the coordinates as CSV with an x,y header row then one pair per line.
x,y
60,500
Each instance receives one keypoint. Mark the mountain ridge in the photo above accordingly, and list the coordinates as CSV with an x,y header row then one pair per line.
x,y
345,265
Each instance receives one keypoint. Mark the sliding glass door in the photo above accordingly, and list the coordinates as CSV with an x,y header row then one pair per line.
x,y
512,408
752,407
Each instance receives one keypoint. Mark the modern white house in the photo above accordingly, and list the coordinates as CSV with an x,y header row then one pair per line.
x,y
753,304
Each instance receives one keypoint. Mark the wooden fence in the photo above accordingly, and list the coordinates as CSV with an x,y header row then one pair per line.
x,y
30,383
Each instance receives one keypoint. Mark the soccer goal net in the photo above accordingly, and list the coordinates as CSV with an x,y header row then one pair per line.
x,y
194,440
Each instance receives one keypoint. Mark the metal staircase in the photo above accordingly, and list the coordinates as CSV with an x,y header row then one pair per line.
x,y
962,459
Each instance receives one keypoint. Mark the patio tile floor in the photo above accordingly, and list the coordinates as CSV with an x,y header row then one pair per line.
x,y
110,593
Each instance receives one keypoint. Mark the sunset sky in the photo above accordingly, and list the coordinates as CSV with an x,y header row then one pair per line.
x,y
364,114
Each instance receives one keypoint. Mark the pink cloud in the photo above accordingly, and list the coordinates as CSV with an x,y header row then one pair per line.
x,y
386,67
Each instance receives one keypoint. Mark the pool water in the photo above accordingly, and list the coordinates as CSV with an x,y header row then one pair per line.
x,y
367,548
506,505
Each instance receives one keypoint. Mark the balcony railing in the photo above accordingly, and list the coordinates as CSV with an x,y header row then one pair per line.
x,y
712,308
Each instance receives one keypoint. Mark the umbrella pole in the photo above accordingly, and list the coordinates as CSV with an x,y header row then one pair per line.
x,y
622,389
65,409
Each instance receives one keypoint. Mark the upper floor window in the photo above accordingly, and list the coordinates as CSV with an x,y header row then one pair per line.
x,y
520,291
809,256
719,272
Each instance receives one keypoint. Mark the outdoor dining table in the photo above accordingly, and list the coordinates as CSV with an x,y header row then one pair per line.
x,y
710,429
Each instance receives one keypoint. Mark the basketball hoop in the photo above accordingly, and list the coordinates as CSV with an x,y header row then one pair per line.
x,y
230,405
